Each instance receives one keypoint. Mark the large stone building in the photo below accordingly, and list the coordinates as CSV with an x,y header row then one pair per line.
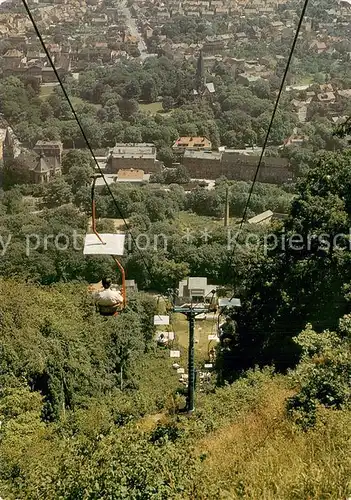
x,y
44,162
3,132
235,166
137,156
51,152
11,147
41,173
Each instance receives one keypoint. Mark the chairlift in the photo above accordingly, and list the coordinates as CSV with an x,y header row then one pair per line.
x,y
105,244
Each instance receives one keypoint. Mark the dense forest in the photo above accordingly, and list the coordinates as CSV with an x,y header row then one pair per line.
x,y
110,100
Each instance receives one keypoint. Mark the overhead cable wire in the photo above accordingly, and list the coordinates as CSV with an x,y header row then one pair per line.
x,y
282,85
84,134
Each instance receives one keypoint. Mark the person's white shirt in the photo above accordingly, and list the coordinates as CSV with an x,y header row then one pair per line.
x,y
108,297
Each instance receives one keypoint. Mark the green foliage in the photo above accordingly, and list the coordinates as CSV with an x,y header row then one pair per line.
x,y
324,374
58,193
74,353
301,279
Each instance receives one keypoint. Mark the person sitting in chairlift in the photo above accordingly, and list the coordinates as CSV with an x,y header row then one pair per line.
x,y
227,331
212,355
108,300
162,341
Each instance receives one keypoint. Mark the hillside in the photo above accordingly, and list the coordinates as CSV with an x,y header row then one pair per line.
x,y
68,431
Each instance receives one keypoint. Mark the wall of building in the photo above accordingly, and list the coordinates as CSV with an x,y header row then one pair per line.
x,y
239,167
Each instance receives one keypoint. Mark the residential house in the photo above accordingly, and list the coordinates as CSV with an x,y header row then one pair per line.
x,y
318,46
326,97
296,140
11,147
48,75
41,173
12,59
3,132
183,144
246,79
209,89
263,218
100,20
345,93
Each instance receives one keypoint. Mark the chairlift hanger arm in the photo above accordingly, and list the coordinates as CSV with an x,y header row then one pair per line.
x,y
93,208
121,268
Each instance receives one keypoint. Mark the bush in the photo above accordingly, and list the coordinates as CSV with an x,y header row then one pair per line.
x,y
324,374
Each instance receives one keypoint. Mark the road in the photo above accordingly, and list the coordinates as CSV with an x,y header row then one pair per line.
x,y
132,26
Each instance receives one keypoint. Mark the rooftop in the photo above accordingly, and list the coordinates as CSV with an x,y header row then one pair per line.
x,y
192,142
41,166
2,134
130,175
203,155
57,144
134,150
263,217
13,53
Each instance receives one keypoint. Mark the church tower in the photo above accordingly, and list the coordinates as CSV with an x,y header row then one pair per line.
x,y
200,79
201,87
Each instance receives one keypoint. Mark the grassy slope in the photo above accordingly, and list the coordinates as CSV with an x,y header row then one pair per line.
x,y
258,452
248,447
263,455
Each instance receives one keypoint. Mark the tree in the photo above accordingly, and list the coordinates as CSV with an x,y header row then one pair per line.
x,y
58,193
306,261
128,108
70,133
132,134
149,91
168,273
262,89
76,158
18,172
46,111
132,90
166,156
167,103
323,372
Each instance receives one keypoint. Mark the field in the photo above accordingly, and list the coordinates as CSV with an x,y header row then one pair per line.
x,y
203,327
77,101
200,223
152,108
46,91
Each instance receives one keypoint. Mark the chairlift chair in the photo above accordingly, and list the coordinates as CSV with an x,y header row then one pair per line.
x,y
106,244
